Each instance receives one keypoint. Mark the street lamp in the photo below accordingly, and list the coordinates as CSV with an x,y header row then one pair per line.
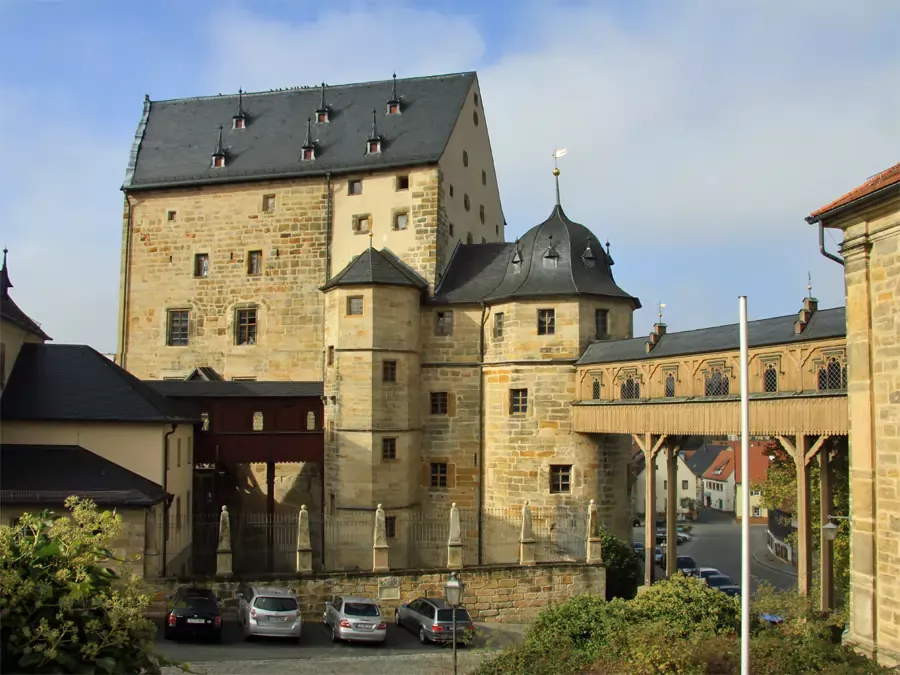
x,y
829,531
453,593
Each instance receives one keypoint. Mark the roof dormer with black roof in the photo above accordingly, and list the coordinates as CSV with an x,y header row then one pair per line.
x,y
9,310
393,103
239,120
377,268
322,113
308,151
218,155
373,143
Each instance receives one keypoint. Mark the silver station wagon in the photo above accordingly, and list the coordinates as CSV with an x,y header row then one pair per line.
x,y
432,620
354,619
270,612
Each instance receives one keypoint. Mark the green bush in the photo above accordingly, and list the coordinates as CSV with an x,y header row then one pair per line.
x,y
64,610
555,658
688,605
655,647
623,566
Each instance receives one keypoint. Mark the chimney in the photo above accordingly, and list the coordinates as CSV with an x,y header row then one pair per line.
x,y
659,329
810,305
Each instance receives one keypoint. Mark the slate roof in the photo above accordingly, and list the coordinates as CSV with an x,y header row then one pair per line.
x,y
226,389
77,383
722,467
376,268
558,257
24,478
759,461
703,458
825,323
10,311
881,181
175,139
204,373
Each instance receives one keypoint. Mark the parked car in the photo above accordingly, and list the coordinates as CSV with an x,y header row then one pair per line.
x,y
432,620
354,619
638,547
731,590
635,522
718,581
683,537
658,555
683,563
270,612
195,613
703,572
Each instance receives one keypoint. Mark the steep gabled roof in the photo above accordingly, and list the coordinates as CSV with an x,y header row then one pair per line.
x,y
376,268
703,458
888,178
759,461
76,383
723,466
10,311
175,139
74,471
204,373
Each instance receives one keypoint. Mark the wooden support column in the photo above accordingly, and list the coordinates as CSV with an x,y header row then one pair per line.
x,y
671,508
270,510
649,445
826,548
804,533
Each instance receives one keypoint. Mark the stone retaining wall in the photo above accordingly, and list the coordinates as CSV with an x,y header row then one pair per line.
x,y
513,594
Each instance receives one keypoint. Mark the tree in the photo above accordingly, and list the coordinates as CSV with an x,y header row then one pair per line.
x,y
64,609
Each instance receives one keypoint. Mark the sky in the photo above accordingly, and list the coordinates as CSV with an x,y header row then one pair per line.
x,y
700,132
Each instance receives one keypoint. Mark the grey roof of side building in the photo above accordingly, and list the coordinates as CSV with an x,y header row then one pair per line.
x,y
559,257
176,138
376,268
24,478
230,389
703,458
76,383
824,324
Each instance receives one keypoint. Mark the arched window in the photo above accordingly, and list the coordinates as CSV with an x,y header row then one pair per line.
x,y
257,421
832,375
630,389
716,383
770,379
310,421
670,385
595,389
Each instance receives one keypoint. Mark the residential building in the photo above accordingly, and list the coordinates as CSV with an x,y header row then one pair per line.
x,y
698,462
718,482
759,466
686,486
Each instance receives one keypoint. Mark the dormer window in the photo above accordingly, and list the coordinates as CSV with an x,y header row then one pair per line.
x,y
373,144
322,111
239,121
517,259
374,147
308,151
550,257
393,108
393,104
309,154
588,258
218,162
218,155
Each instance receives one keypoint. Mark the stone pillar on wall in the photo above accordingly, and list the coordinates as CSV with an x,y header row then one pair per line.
x,y
304,548
454,541
594,548
526,537
380,549
223,550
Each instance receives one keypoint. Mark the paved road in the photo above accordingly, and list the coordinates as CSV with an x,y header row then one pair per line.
x,y
316,654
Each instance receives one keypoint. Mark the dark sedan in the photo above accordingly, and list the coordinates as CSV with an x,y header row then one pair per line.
x,y
194,613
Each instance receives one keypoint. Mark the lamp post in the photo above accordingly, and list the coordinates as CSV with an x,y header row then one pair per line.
x,y
453,593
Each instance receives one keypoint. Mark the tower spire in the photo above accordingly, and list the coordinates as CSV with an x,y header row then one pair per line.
x,y
556,155
5,283
808,279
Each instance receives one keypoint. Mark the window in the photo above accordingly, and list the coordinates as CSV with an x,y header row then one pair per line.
x,y
465,158
393,108
204,426
390,522
466,203
670,385
308,155
832,376
354,187
402,183
755,493
374,147
497,230
439,401
388,448
451,190
201,264
770,379
481,213
254,263
483,177
310,421
178,514
546,321
595,389
355,305
630,389
389,371
400,221
684,485
237,123
268,204
601,323
438,474
178,452
451,229
330,355
475,117
322,117
245,327
177,328
756,512
443,323
190,452
560,478
518,401
257,421
716,383
498,325
475,99
362,223
170,216
218,161
665,485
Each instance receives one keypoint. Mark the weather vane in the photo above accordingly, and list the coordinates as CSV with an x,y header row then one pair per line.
x,y
662,306
809,283
557,153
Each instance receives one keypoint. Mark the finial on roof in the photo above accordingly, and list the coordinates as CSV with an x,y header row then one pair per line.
x,y
556,155
374,136
371,234
322,100
146,98
308,142
219,151
394,89
662,306
4,274
808,286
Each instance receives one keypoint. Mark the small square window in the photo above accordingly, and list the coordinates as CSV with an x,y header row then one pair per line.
x,y
177,330
309,154
374,147
402,183
388,448
546,321
560,478
238,123
601,323
498,325
268,203
438,474
322,116
439,400
201,264
518,401
684,485
451,229
400,221
354,187
245,327
330,355
389,371
218,162
393,109
451,191
170,216
254,263
481,213
355,305
443,323
390,527
484,177
362,224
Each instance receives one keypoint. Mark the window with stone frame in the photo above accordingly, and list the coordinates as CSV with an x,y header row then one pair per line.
x,y
389,448
402,183
630,388
518,401
595,389
440,403
330,355
355,305
310,421
201,264
560,479
268,203
362,223
389,371
401,220
684,485
498,325
716,383
443,323
258,421
390,527
438,474
177,327
546,321
601,323
354,187
770,379
670,385
254,263
245,326
832,375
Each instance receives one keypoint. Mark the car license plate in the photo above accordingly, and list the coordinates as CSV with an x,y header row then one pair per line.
x,y
196,620
277,618
364,625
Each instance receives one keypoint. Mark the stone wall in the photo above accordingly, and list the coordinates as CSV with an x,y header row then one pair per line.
x,y
513,594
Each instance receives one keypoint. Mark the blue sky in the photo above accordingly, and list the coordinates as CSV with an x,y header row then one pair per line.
x,y
700,133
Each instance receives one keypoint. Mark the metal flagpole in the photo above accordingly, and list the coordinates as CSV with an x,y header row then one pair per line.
x,y
745,493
